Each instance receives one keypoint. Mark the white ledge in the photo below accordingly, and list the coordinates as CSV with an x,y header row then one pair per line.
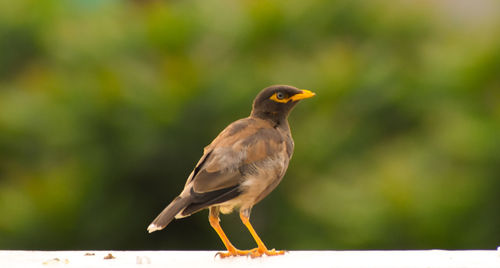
x,y
207,259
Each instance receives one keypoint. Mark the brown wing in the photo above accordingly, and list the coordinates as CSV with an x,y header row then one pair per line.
x,y
221,169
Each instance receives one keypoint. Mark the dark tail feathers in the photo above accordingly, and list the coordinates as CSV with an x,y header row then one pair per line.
x,y
168,214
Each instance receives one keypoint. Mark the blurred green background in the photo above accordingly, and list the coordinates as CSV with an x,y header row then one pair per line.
x,y
105,107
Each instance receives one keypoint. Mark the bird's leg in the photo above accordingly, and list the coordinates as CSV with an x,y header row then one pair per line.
x,y
213,218
261,248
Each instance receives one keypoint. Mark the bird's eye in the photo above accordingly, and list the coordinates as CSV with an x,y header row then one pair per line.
x,y
280,95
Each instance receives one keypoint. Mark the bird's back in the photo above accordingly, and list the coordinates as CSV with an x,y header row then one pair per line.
x,y
236,162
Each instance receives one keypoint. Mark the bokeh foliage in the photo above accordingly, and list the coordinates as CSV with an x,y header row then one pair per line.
x,y
105,107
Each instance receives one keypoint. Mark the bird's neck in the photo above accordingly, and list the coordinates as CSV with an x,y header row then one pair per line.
x,y
278,120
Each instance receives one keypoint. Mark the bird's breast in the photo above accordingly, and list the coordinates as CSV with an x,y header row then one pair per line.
x,y
263,178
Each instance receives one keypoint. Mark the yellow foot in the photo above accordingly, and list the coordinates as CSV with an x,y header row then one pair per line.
x,y
257,252
233,253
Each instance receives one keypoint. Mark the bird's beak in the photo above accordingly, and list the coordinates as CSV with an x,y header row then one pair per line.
x,y
304,94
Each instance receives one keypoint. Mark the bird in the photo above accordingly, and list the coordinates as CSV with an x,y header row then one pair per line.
x,y
240,167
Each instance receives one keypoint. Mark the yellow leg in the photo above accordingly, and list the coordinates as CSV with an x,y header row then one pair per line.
x,y
213,218
261,248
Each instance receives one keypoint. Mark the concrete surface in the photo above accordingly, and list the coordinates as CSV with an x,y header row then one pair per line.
x,y
206,259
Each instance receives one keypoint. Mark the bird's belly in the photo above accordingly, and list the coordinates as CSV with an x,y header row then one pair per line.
x,y
257,185
245,200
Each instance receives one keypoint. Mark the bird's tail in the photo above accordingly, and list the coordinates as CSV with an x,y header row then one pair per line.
x,y
168,214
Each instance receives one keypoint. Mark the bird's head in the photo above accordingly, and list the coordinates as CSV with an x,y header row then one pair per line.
x,y
276,102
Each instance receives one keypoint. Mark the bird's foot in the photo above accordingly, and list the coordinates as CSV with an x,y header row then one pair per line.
x,y
233,253
253,253
258,252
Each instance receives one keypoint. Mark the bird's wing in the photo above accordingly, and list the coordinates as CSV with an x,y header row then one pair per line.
x,y
220,170
244,142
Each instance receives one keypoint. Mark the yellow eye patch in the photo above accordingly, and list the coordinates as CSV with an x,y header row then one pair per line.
x,y
284,99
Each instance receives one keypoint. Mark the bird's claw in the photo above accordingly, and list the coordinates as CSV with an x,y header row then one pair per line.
x,y
233,253
258,252
253,253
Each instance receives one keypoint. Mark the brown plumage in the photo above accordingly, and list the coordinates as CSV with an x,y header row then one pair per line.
x,y
241,166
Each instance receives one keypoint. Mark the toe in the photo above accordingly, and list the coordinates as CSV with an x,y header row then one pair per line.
x,y
258,253
274,252
233,253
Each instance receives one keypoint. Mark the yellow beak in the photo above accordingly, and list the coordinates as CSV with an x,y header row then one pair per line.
x,y
304,94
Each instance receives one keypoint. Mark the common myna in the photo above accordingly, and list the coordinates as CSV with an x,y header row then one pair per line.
x,y
244,163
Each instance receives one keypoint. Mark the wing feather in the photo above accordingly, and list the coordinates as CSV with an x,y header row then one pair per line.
x,y
244,142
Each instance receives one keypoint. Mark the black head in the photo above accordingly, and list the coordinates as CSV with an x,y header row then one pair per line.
x,y
276,102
